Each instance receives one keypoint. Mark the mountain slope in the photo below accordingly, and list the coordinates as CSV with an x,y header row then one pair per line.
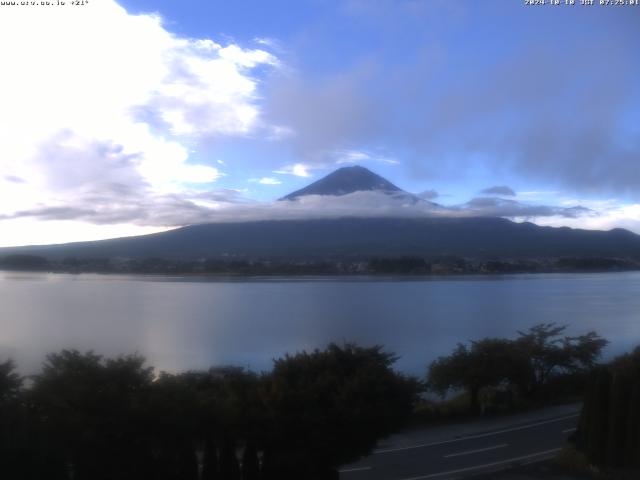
x,y
357,238
352,238
347,180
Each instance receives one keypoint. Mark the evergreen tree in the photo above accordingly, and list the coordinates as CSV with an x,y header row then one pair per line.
x,y
609,427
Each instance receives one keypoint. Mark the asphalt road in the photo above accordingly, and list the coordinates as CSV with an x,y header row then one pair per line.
x,y
476,452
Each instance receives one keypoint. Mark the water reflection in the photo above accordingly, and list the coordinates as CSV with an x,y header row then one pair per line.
x,y
181,323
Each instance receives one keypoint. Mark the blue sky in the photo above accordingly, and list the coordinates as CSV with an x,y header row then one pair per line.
x,y
167,113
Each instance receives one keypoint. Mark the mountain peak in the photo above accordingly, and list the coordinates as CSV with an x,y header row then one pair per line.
x,y
346,180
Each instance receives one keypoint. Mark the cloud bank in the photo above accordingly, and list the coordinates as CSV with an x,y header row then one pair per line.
x,y
230,206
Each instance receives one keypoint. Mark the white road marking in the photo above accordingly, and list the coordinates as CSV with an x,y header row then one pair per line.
x,y
471,437
486,465
355,469
469,452
569,430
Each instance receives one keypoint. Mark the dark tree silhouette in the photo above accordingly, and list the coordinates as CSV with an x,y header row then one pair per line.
x,y
10,382
12,435
609,427
550,353
85,417
486,363
329,407
526,364
250,462
399,265
24,262
92,413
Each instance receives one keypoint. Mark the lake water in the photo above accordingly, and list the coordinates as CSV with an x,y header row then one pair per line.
x,y
182,323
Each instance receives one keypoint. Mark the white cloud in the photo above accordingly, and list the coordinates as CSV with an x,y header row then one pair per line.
x,y
626,216
279,132
96,101
356,156
297,169
37,232
389,161
208,91
267,42
266,181
337,157
351,156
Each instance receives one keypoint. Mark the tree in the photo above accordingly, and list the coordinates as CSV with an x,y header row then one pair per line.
x,y
486,363
609,427
329,407
406,265
89,417
525,364
10,381
212,411
13,441
24,262
91,413
451,372
549,353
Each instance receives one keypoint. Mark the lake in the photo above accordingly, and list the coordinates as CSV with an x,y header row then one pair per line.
x,y
182,323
